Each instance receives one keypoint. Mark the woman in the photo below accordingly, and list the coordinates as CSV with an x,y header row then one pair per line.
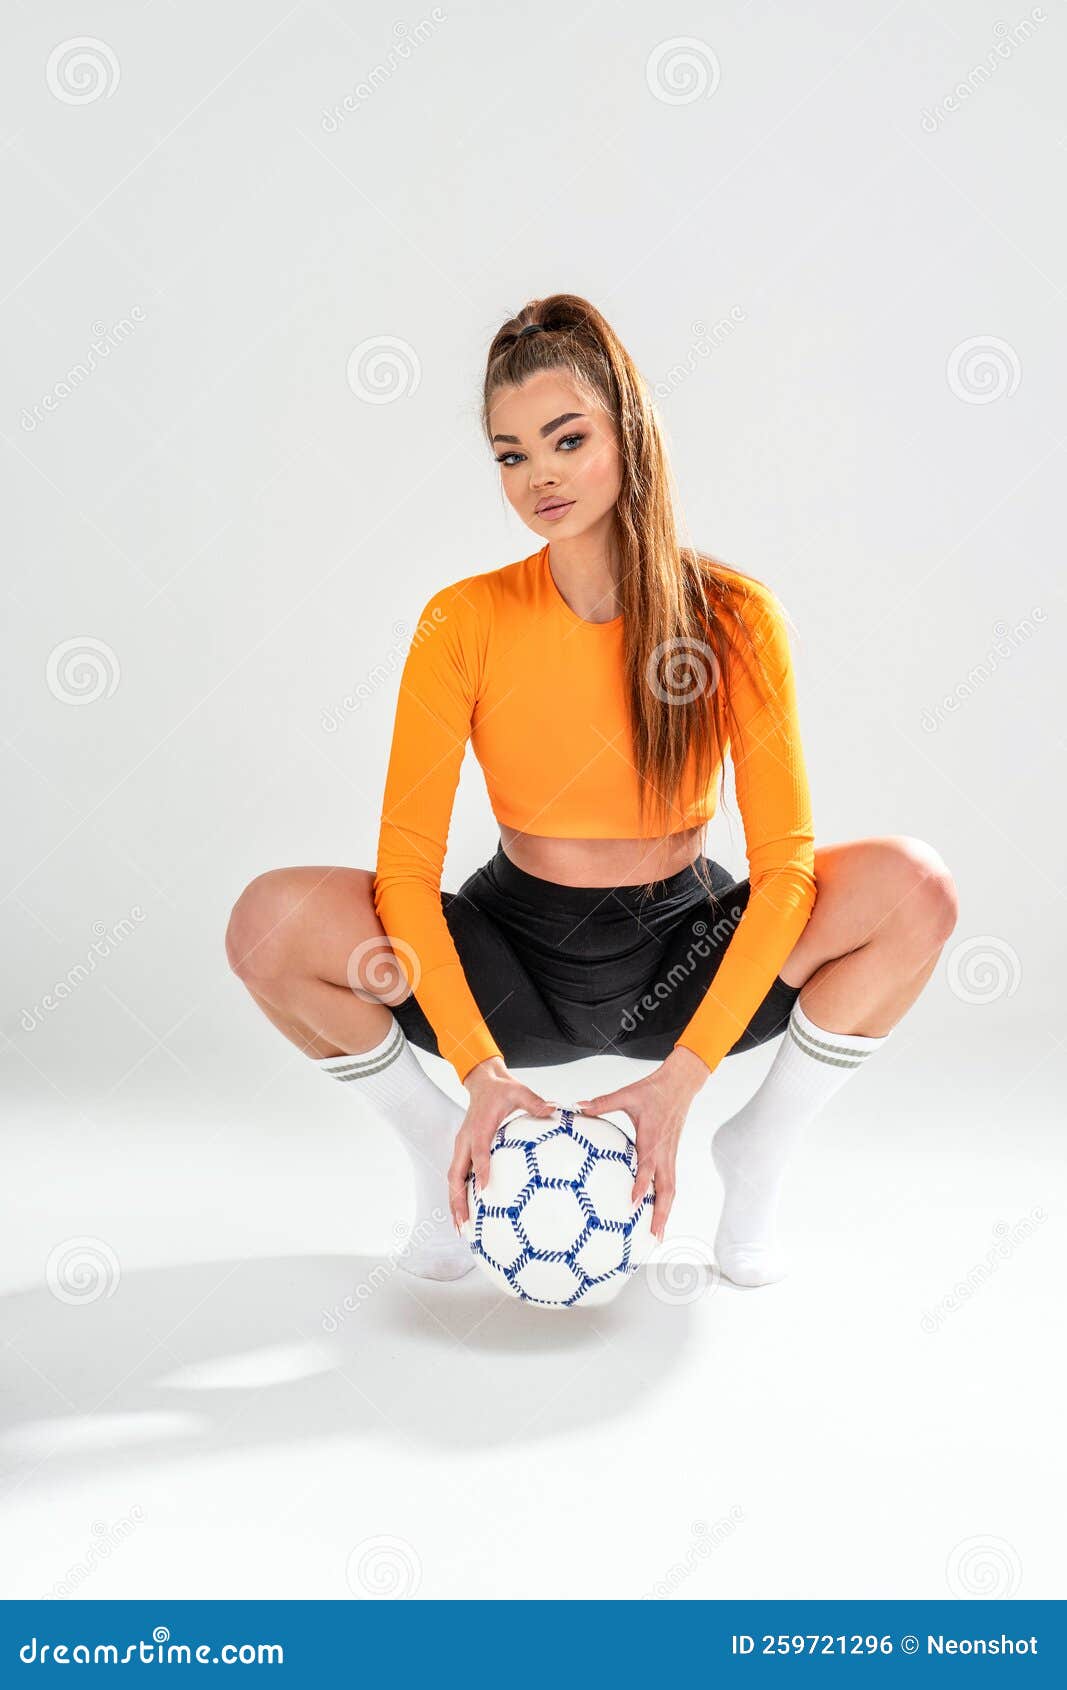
x,y
601,681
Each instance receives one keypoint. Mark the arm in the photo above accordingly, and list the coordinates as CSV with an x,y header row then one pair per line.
x,y
771,783
438,691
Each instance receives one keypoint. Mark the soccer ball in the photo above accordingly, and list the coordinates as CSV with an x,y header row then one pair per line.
x,y
555,1225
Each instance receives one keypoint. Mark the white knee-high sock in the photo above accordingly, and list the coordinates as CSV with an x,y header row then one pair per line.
x,y
751,1149
427,1121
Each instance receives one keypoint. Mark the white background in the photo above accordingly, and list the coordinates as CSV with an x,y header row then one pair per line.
x,y
243,542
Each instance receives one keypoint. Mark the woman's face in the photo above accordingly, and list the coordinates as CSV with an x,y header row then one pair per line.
x,y
555,450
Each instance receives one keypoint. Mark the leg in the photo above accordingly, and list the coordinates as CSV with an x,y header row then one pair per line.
x,y
292,938
309,947
307,944
884,909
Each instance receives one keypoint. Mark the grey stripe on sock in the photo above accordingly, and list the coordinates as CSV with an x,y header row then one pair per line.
x,y
360,1069
838,1056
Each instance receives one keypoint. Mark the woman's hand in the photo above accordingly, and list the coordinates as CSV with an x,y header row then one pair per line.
x,y
494,1094
658,1106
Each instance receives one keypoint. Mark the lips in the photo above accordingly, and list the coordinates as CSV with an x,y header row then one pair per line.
x,y
547,505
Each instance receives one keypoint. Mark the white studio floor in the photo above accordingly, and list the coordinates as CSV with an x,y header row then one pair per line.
x,y
204,1427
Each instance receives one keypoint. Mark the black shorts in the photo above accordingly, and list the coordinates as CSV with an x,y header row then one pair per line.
x,y
563,972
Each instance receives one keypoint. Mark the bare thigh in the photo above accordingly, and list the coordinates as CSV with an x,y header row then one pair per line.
x,y
879,888
314,922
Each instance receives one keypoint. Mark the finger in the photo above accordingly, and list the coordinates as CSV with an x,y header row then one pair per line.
x,y
600,1105
457,1185
480,1157
539,1106
643,1180
622,1103
457,1203
662,1206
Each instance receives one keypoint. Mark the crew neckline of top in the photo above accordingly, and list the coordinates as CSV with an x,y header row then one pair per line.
x,y
572,615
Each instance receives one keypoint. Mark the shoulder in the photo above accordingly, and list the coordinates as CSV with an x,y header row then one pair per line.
x,y
455,625
460,599
756,626
452,620
473,599
751,596
747,610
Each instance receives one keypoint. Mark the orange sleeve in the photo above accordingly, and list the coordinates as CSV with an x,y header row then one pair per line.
x,y
771,784
438,691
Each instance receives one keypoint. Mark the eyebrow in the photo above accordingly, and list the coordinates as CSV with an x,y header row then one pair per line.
x,y
557,422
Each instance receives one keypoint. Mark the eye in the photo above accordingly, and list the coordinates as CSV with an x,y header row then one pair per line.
x,y
504,457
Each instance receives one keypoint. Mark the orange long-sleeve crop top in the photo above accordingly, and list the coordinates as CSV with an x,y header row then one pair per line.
x,y
501,660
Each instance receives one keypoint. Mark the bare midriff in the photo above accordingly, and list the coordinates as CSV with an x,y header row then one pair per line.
x,y
601,862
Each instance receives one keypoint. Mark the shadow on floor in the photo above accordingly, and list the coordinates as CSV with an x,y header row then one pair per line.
x,y
232,1355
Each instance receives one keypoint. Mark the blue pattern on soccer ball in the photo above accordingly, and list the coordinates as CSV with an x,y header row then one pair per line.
x,y
555,1225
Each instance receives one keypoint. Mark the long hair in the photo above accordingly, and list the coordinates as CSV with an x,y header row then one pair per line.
x,y
677,602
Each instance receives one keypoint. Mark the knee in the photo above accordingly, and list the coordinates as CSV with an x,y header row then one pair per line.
x,y
928,902
259,933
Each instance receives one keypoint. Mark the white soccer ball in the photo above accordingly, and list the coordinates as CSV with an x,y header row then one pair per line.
x,y
555,1225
